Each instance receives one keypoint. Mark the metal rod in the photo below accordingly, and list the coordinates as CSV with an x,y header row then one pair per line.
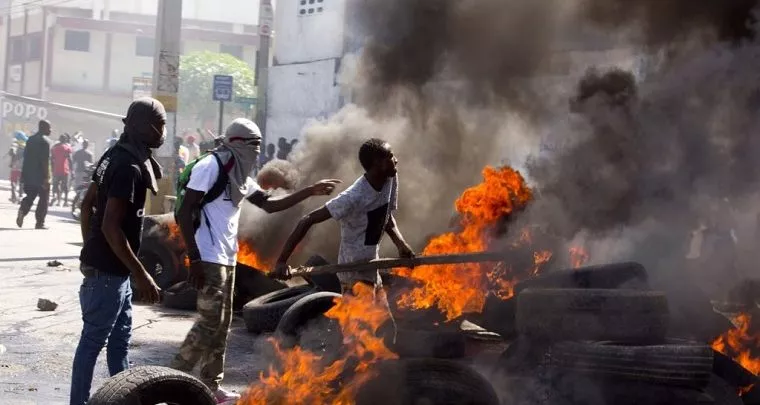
x,y
221,117
479,257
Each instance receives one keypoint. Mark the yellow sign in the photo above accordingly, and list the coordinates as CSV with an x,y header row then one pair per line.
x,y
169,102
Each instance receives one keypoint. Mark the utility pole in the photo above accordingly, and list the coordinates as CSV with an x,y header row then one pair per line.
x,y
165,86
266,21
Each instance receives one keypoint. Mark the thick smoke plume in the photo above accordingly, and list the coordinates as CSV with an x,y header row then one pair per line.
x,y
619,157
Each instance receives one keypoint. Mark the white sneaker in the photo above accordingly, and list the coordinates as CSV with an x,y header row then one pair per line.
x,y
224,397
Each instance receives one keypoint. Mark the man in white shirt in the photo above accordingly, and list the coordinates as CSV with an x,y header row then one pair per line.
x,y
364,211
210,231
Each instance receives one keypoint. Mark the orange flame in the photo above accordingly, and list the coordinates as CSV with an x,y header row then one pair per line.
x,y
303,379
249,257
739,343
462,288
173,233
539,259
578,256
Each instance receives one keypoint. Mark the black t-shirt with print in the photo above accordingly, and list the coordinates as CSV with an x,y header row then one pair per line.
x,y
117,175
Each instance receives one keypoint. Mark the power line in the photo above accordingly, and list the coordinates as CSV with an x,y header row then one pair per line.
x,y
32,5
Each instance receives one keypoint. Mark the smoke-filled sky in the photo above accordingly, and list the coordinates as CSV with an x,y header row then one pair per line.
x,y
457,85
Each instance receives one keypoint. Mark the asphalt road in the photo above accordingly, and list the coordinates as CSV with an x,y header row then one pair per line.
x,y
37,348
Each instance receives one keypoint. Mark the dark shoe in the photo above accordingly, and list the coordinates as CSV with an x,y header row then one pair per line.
x,y
41,227
20,220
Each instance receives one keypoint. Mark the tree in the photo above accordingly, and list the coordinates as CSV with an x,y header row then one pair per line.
x,y
196,76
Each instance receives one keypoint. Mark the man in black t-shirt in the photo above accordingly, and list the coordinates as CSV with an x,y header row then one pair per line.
x,y
35,175
111,222
81,159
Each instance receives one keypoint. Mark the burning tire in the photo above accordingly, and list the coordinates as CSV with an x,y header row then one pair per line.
x,y
629,275
251,283
181,296
426,381
151,385
306,315
592,314
160,262
263,314
436,343
679,364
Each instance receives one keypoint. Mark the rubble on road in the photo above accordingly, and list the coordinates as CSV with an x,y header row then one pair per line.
x,y
46,305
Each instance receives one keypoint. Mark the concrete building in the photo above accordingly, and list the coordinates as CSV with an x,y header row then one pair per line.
x,y
310,45
92,53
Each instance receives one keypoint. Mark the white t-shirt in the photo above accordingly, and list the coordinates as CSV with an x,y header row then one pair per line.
x,y
219,243
362,213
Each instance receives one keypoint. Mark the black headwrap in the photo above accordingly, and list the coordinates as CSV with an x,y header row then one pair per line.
x,y
144,117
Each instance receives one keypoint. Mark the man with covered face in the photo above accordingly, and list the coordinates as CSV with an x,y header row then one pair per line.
x,y
210,230
111,224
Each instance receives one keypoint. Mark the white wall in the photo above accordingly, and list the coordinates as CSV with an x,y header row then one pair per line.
x,y
87,71
125,64
298,93
306,38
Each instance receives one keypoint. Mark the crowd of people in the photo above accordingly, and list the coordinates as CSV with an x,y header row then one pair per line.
x,y
208,213
208,216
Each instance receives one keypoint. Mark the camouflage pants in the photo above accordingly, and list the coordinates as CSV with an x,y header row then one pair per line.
x,y
207,340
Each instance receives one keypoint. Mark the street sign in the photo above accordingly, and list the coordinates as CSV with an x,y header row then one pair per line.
x,y
222,88
246,100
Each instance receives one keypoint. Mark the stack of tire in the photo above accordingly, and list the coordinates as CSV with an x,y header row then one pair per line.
x,y
600,346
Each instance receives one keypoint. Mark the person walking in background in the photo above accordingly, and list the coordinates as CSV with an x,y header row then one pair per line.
x,y
193,149
269,155
81,160
35,174
112,213
16,155
283,148
61,162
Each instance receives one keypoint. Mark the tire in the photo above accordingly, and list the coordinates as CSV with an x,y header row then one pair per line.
x,y
593,314
437,343
732,372
307,308
181,296
160,262
323,282
426,381
151,385
262,314
677,365
251,283
630,275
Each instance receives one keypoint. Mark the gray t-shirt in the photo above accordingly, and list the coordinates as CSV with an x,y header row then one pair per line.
x,y
362,213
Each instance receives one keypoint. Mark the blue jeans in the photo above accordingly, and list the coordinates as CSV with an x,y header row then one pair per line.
x,y
106,302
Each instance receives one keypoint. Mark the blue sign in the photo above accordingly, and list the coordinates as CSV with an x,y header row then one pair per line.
x,y
222,88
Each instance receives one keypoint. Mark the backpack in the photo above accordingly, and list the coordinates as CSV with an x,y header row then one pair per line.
x,y
212,194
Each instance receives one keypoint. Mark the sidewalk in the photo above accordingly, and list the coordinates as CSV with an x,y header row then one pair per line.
x,y
35,367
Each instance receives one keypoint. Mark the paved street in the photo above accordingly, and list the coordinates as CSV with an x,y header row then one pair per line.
x,y
37,347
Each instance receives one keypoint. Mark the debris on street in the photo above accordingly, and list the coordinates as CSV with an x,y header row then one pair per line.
x,y
46,305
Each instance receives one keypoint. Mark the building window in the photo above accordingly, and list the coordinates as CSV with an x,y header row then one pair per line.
x,y
34,46
234,50
16,45
310,7
77,41
145,46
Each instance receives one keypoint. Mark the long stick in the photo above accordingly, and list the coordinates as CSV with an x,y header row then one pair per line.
x,y
392,263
